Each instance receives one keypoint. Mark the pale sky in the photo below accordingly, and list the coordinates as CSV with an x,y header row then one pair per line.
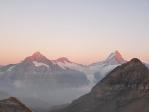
x,y
82,30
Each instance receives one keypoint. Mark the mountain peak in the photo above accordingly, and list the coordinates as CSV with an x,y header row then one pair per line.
x,y
115,58
37,56
115,54
63,59
132,72
135,60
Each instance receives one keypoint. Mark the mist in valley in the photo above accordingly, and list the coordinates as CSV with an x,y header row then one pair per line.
x,y
44,98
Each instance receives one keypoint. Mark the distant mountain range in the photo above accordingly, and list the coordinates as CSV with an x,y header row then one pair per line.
x,y
61,72
57,73
38,69
38,80
124,89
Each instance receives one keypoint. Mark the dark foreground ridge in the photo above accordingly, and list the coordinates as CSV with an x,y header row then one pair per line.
x,y
125,89
13,105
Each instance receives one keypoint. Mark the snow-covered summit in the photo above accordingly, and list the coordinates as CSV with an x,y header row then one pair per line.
x,y
115,58
38,62
38,57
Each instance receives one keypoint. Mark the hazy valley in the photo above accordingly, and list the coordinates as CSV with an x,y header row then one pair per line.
x,y
42,83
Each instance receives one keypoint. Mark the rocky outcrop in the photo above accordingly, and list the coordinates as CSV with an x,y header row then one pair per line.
x,y
125,89
13,105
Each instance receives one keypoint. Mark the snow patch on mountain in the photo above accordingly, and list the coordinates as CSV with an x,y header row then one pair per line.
x,y
38,64
74,66
81,68
103,67
115,58
11,68
70,66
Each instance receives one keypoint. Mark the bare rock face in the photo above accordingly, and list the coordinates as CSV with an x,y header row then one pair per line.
x,y
125,89
13,105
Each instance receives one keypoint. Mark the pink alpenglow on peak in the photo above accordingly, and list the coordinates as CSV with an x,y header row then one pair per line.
x,y
115,58
118,56
37,56
63,60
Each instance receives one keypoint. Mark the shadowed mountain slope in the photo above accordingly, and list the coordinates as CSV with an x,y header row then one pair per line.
x,y
13,105
125,89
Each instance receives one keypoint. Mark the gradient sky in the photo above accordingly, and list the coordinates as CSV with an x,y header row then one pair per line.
x,y
83,30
